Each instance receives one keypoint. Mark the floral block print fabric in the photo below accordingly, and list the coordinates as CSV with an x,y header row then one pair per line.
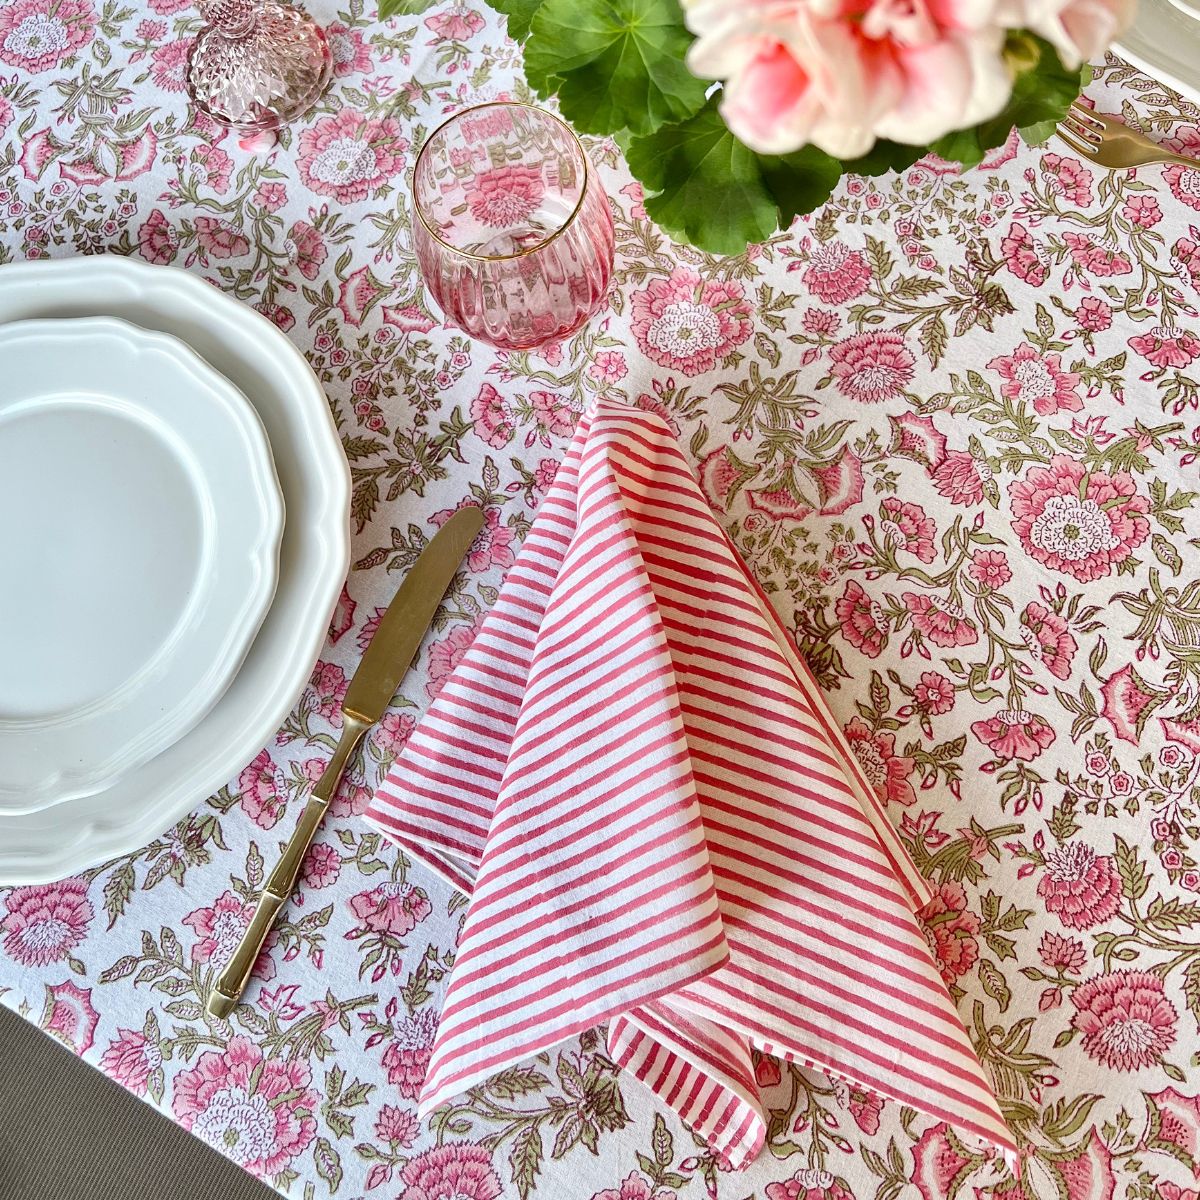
x,y
952,423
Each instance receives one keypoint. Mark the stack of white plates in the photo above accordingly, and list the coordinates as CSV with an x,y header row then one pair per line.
x,y
1164,41
173,536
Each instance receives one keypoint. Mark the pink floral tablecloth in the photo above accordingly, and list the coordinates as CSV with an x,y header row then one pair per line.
x,y
952,423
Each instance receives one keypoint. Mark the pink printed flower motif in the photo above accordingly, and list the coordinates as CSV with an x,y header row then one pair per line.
x,y
271,196
215,167
397,1125
608,367
263,791
934,693
359,293
865,1108
1093,315
492,417
1014,734
351,55
989,568
887,772
1037,379
493,545
455,1171
1184,183
1021,255
837,274
1093,258
130,1059
906,526
169,64
1178,1124
1060,953
689,324
157,241
68,1015
808,1184
1186,252
1080,887
1071,179
1126,1020
329,685
862,621
306,247
219,239
6,115
455,24
506,195
1127,701
1081,523
557,415
1048,639
872,367
347,157
392,733
957,478
918,439
392,908
636,1187
220,931
322,866
445,655
1142,210
406,1058
38,34
950,930
45,922
941,621
1167,348
256,1111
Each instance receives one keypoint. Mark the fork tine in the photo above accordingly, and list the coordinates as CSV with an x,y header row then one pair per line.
x,y
1086,149
1087,132
1086,116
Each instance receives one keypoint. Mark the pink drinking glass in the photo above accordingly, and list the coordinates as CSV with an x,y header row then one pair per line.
x,y
511,227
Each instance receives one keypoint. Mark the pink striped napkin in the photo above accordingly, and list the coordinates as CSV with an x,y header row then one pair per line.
x,y
661,827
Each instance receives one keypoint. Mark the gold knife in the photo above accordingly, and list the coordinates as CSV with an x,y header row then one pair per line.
x,y
383,666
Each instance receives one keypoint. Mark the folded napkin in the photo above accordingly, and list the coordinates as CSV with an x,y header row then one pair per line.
x,y
661,827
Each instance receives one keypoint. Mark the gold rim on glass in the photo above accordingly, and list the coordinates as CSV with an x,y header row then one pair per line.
x,y
587,168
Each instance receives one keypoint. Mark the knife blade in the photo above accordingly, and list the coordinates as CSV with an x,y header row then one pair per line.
x,y
385,663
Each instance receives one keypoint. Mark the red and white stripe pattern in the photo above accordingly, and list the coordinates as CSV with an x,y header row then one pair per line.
x,y
661,826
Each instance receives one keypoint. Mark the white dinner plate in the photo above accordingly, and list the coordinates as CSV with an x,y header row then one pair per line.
x,y
140,521
314,553
1164,41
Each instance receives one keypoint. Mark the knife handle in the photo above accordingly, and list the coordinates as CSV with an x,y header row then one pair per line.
x,y
230,983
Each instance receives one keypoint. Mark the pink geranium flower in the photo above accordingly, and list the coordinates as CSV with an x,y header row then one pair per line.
x,y
886,771
1167,348
837,274
608,366
1021,255
1048,639
941,621
407,1057
505,195
1095,259
462,1170
689,324
1014,734
220,929
169,64
906,526
351,55
393,908
950,930
1126,1020
492,417
1184,183
989,568
45,922
872,367
861,620
37,35
256,1111
1080,887
1037,379
349,156
1080,522
957,478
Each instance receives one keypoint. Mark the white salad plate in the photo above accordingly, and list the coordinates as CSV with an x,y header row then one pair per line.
x,y
140,521
256,357
1164,42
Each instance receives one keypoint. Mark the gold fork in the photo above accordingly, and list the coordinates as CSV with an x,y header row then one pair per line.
x,y
1111,143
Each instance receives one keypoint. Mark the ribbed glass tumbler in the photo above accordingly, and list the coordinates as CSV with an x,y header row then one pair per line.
x,y
511,227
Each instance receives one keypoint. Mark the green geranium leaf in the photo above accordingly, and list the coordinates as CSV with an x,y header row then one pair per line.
x,y
883,157
402,8
519,14
711,189
615,63
799,182
1041,93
